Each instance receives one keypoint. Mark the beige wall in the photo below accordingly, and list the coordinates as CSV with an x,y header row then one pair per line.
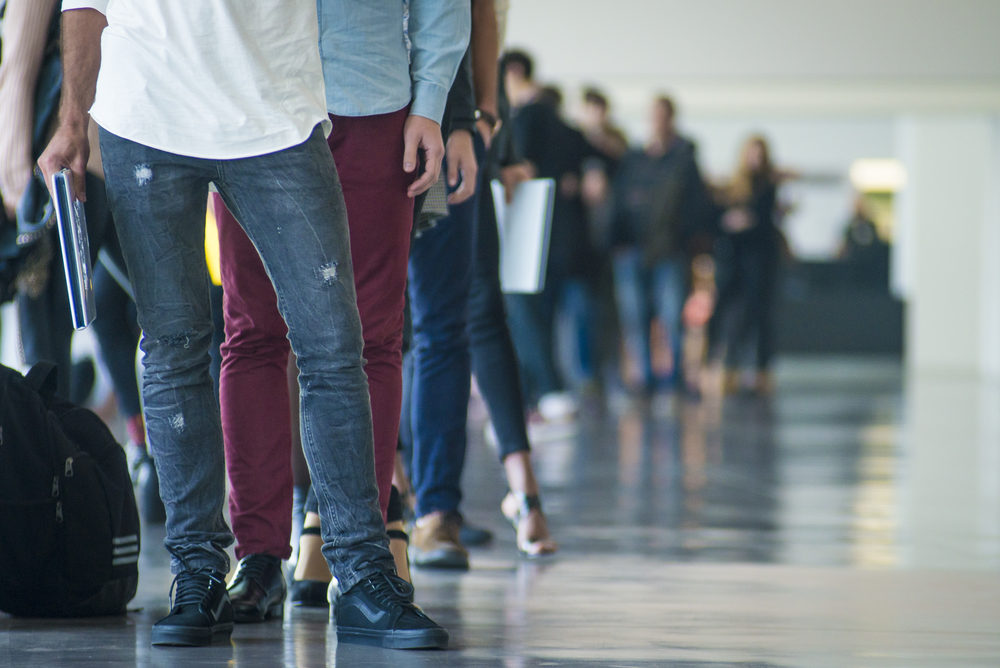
x,y
914,40
791,56
829,81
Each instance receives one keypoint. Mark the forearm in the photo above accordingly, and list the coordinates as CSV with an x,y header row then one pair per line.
x,y
15,145
26,29
485,54
81,52
81,49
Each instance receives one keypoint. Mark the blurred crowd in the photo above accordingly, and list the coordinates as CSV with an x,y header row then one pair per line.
x,y
658,278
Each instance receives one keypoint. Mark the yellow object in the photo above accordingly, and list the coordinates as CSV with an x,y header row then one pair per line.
x,y
212,246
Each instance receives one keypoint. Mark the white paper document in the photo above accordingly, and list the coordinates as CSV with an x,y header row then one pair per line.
x,y
525,225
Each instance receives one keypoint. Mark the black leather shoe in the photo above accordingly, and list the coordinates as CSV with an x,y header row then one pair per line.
x,y
309,593
258,590
200,611
379,611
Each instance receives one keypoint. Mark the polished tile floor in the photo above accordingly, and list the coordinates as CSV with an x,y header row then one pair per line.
x,y
852,520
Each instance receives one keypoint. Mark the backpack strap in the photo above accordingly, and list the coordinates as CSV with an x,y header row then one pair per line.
x,y
42,378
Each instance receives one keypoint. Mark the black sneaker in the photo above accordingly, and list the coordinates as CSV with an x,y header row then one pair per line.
x,y
200,610
258,590
379,611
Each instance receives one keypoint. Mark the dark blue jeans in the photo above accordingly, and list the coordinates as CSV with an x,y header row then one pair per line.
x,y
532,326
642,293
116,328
440,272
291,206
494,361
559,316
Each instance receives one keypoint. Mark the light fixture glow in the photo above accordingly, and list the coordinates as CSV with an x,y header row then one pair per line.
x,y
878,175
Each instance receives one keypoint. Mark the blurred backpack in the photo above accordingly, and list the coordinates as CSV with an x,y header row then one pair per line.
x,y
69,527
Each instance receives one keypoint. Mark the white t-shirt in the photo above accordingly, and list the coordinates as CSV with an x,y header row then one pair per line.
x,y
209,78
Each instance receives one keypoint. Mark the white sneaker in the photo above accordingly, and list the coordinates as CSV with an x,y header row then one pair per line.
x,y
557,406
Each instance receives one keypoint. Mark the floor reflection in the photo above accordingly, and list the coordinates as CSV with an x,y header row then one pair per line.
x,y
852,519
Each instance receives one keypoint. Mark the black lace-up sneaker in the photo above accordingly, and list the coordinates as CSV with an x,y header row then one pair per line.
x,y
200,610
379,611
258,590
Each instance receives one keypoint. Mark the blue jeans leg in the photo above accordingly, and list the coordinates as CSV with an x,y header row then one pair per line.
x,y
669,287
158,201
440,274
576,333
632,297
290,204
494,362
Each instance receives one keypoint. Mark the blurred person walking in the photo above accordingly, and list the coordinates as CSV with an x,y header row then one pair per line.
x,y
660,202
596,192
748,254
557,151
597,127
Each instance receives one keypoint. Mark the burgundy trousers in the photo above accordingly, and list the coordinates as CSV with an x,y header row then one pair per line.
x,y
254,391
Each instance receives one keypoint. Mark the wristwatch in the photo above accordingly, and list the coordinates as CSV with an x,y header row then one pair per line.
x,y
489,117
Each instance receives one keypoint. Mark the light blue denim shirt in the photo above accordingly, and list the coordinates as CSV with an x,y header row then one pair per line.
x,y
367,67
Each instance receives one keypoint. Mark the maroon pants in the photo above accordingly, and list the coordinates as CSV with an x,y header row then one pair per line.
x,y
254,395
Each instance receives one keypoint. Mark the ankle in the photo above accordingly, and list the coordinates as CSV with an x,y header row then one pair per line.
x,y
311,564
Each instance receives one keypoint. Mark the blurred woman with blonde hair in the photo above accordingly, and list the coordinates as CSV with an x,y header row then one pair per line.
x,y
747,256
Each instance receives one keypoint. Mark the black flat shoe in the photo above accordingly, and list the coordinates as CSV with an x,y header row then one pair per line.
x,y
309,593
258,589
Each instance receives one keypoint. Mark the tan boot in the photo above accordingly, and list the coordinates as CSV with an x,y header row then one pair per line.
x,y
436,544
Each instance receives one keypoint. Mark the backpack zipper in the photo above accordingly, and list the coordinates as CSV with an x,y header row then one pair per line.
x,y
69,467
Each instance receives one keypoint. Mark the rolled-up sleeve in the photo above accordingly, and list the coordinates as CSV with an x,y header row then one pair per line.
x,y
439,32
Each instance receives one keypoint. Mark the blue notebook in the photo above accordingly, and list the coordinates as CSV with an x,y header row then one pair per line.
x,y
75,245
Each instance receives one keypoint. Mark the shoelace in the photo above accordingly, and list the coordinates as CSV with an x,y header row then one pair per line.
x,y
252,567
191,587
390,589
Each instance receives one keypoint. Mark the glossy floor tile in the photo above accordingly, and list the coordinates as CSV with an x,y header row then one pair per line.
x,y
852,520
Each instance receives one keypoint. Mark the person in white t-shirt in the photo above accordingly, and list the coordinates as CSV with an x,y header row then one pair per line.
x,y
231,93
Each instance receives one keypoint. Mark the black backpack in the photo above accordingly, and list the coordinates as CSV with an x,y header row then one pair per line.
x,y
69,527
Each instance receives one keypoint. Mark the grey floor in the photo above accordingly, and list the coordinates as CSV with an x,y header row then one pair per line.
x,y
852,520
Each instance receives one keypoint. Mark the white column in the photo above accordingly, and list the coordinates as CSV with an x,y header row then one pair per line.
x,y
948,257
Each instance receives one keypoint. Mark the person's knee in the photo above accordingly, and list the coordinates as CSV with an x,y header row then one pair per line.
x,y
256,343
439,336
179,353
